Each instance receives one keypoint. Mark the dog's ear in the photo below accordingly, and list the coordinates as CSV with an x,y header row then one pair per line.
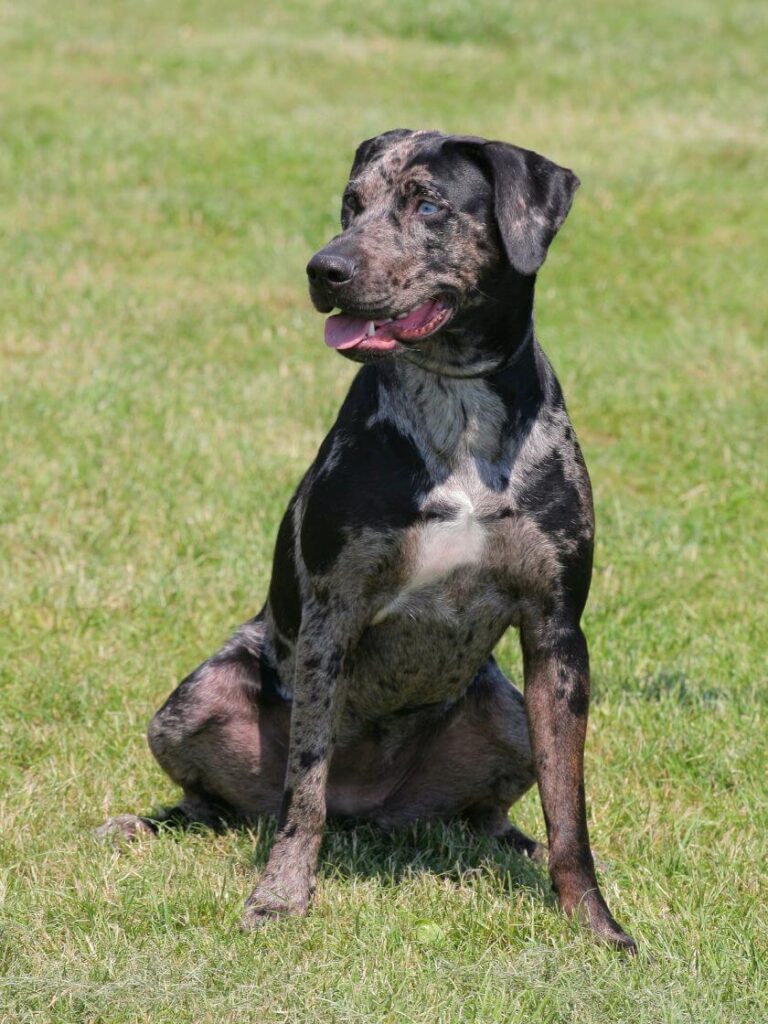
x,y
531,195
371,148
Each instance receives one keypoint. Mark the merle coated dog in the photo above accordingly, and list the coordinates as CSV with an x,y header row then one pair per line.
x,y
449,502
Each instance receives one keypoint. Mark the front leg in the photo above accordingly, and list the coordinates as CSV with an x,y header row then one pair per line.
x,y
288,881
556,665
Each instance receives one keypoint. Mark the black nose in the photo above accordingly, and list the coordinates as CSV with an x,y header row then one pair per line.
x,y
330,269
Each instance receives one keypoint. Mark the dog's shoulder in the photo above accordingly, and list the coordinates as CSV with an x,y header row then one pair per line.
x,y
367,474
552,492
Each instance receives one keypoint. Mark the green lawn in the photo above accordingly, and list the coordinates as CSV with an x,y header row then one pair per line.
x,y
166,170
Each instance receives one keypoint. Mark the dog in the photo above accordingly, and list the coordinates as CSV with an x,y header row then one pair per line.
x,y
449,501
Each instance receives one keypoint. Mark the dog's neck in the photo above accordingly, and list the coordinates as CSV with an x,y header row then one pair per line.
x,y
488,333
487,397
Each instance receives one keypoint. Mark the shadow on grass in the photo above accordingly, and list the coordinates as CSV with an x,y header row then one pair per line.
x,y
449,850
674,686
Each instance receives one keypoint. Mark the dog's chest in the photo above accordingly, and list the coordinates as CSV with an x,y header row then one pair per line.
x,y
452,536
445,551
444,609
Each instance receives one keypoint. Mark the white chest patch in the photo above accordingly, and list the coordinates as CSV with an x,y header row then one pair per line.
x,y
440,546
446,544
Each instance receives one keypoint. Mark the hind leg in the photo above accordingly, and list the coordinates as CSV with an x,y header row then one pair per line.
x,y
475,764
222,736
190,811
496,823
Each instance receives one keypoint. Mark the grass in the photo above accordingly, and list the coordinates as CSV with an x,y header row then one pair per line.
x,y
166,171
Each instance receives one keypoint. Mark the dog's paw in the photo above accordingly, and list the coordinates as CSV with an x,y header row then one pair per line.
x,y
612,934
592,912
539,853
125,828
524,845
265,905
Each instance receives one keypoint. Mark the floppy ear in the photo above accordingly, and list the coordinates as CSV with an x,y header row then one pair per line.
x,y
531,195
367,150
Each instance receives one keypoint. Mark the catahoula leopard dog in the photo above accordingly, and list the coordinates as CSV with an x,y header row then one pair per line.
x,y
449,501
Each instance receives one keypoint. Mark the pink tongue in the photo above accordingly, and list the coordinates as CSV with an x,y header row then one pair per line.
x,y
342,331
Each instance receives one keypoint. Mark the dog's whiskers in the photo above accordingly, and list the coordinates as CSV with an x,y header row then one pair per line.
x,y
478,291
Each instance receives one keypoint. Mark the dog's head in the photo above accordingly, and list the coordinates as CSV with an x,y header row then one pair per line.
x,y
434,226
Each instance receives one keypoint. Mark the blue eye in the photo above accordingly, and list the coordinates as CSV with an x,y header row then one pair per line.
x,y
426,209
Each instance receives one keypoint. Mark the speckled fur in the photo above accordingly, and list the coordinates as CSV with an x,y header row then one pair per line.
x,y
448,502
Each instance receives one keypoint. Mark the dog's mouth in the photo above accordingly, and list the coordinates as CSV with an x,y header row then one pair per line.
x,y
344,331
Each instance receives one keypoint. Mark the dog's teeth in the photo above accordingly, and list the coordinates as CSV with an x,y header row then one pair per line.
x,y
371,329
401,316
